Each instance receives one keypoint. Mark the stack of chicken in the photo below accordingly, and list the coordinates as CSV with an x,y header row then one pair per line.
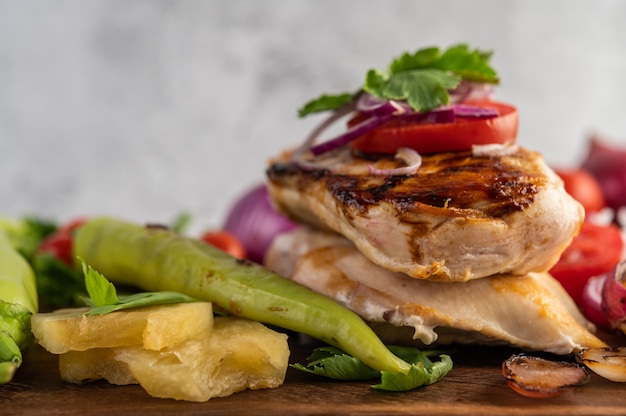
x,y
432,245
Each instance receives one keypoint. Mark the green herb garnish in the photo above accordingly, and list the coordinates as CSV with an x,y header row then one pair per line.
x,y
103,296
333,363
325,102
423,79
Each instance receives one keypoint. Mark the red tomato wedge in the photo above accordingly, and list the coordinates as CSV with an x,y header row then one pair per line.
x,y
595,251
441,137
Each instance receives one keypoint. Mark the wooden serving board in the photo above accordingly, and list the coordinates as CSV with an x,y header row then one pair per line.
x,y
475,386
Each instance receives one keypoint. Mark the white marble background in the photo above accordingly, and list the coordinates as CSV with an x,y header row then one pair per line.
x,y
146,109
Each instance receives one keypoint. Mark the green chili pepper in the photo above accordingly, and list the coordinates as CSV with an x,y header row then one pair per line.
x,y
18,301
157,259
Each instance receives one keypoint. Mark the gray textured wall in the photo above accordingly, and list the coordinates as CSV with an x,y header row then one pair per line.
x,y
145,109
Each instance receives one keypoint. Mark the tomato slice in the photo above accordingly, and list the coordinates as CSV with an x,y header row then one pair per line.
x,y
594,251
441,137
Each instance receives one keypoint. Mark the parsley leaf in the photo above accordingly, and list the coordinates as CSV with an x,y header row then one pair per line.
x,y
138,300
423,89
100,290
423,58
325,102
103,297
423,371
469,65
422,78
334,363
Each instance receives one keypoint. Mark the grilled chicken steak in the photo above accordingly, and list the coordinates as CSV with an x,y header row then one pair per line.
x,y
459,217
531,311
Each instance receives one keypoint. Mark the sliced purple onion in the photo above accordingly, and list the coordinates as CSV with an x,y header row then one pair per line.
x,y
351,134
473,111
334,116
409,156
369,105
438,115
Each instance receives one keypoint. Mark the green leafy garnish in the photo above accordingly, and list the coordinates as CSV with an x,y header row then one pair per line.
x,y
334,363
423,89
423,370
422,78
103,296
100,290
325,102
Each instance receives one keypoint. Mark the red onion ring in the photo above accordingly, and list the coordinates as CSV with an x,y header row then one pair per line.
x,y
438,115
351,134
409,156
334,116
374,106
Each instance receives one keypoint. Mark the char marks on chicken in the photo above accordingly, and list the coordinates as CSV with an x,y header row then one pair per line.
x,y
459,217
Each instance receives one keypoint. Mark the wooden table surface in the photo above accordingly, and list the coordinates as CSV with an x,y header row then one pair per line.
x,y
475,386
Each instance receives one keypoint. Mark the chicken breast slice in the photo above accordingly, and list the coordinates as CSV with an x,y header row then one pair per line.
x,y
459,217
531,312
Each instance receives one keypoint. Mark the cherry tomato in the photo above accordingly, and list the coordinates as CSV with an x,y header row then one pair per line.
x,y
583,187
594,251
59,243
225,241
441,137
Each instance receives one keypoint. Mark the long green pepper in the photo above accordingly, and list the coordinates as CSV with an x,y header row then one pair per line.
x,y
18,301
156,259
